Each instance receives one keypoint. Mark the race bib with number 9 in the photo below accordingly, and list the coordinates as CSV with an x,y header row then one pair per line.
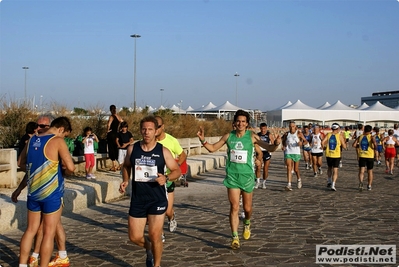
x,y
145,173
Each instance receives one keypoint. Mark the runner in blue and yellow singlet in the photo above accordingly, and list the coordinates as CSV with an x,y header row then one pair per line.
x,y
366,144
239,169
333,142
42,158
378,139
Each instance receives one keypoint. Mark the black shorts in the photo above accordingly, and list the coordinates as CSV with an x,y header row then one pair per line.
x,y
266,155
141,209
333,162
171,187
320,154
366,162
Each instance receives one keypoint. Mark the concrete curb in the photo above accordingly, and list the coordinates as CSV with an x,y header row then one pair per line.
x,y
81,193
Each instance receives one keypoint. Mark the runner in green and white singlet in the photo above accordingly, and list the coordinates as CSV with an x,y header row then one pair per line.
x,y
240,171
240,178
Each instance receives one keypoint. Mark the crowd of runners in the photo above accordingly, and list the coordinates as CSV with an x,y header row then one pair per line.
x,y
151,165
313,144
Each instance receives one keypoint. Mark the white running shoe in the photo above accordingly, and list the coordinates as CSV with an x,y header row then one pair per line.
x,y
264,185
172,224
299,184
243,214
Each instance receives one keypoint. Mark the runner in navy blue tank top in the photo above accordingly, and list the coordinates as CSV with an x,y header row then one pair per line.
x,y
147,159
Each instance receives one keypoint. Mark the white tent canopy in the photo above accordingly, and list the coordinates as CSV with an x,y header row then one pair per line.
x,y
289,103
377,106
325,105
226,109
336,112
189,109
227,106
299,105
363,106
206,107
338,106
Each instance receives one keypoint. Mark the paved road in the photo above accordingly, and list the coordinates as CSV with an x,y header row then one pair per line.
x,y
286,226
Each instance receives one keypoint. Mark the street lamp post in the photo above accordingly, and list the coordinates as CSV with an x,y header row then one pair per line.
x,y
180,106
135,36
41,103
25,68
161,94
236,75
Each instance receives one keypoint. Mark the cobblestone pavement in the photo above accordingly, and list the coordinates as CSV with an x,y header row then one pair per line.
x,y
286,226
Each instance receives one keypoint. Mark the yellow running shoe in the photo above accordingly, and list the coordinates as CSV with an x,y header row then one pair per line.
x,y
235,242
247,231
33,262
58,262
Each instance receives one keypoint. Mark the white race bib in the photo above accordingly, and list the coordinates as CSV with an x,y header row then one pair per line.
x,y
238,156
145,173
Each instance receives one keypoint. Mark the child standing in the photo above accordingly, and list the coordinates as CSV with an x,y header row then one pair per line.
x,y
88,140
124,139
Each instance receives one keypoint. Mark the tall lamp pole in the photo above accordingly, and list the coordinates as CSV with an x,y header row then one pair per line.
x,y
161,95
41,104
180,106
236,75
25,68
135,36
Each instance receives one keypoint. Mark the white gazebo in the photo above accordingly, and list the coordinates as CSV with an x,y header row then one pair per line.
x,y
337,112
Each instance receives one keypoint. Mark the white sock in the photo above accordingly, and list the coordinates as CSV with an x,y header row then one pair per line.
x,y
62,254
264,181
333,183
258,180
23,265
289,184
35,255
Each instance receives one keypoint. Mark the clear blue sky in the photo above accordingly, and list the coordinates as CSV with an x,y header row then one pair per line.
x,y
80,53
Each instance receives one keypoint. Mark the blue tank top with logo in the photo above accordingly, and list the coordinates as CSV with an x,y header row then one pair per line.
x,y
332,142
364,143
378,139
